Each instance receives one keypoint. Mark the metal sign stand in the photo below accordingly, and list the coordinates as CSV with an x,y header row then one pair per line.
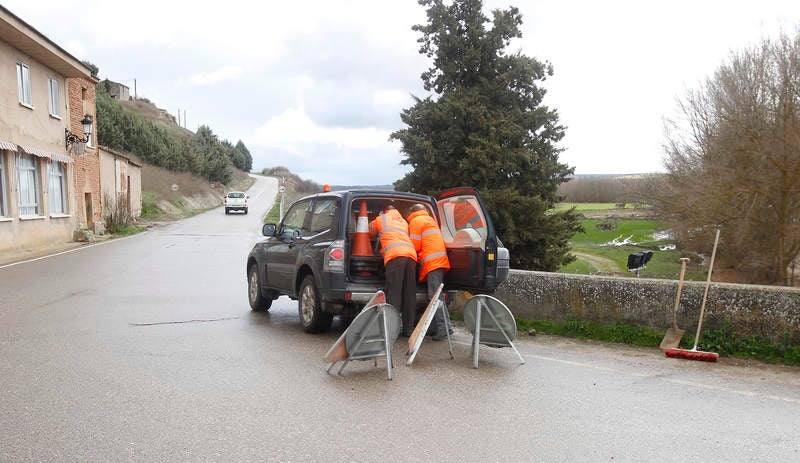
x,y
415,340
370,335
338,351
379,316
502,320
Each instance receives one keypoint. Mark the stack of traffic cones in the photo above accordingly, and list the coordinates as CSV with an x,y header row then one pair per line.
x,y
363,261
361,247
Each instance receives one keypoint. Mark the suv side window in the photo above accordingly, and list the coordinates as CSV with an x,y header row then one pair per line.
x,y
324,215
293,221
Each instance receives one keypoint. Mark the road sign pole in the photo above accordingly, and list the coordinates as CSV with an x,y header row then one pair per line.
x,y
282,191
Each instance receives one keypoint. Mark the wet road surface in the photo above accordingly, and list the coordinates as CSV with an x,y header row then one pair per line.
x,y
145,349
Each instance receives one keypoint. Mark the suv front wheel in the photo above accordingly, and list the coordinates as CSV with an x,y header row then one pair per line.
x,y
257,300
313,319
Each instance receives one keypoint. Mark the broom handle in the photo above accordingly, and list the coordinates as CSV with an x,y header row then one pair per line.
x,y
705,294
678,297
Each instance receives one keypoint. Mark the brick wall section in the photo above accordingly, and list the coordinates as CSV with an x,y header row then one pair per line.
x,y
81,94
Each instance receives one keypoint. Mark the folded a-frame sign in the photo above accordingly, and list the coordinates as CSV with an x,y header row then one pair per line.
x,y
369,336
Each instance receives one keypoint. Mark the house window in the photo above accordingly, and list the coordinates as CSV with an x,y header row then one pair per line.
x,y
3,207
28,177
24,83
57,190
52,86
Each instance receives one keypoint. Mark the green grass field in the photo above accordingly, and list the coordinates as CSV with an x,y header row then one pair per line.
x,y
579,267
599,233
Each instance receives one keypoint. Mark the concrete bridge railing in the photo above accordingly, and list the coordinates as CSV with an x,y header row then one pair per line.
x,y
772,312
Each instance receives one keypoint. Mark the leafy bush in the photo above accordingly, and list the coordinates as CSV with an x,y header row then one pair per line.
x,y
722,341
149,208
117,214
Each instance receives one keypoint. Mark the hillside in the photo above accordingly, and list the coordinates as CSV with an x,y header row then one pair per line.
x,y
160,202
146,108
141,128
183,172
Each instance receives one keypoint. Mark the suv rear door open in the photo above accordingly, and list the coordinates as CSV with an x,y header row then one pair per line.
x,y
471,242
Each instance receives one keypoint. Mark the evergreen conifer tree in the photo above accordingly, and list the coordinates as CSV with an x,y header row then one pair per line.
x,y
485,126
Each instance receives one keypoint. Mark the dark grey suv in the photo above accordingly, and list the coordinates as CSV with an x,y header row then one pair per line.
x,y
308,255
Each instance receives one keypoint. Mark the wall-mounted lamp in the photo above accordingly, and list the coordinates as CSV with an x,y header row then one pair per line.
x,y
70,138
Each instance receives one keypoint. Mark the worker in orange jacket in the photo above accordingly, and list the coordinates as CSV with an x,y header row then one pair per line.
x,y
400,261
431,258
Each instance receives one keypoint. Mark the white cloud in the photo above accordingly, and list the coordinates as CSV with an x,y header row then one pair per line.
x,y
214,77
348,68
293,128
76,48
335,155
392,98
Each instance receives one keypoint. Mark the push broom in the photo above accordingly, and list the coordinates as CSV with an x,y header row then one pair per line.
x,y
693,353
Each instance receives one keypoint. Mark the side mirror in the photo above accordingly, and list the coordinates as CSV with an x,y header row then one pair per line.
x,y
268,229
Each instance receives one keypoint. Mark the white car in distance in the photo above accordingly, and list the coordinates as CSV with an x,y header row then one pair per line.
x,y
235,201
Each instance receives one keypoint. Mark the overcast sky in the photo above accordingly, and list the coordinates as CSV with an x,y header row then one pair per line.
x,y
317,86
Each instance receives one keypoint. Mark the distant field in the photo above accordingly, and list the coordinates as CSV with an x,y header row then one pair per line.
x,y
599,233
589,206
602,207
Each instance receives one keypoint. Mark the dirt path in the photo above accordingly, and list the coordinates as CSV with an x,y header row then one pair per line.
x,y
602,264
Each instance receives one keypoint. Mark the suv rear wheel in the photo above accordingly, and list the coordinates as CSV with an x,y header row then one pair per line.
x,y
257,300
313,319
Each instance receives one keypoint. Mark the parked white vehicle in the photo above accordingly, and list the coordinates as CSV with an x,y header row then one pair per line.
x,y
235,201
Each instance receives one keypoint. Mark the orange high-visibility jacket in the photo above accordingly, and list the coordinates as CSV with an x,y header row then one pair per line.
x,y
392,231
428,241
466,216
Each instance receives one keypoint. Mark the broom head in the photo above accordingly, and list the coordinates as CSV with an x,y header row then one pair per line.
x,y
692,355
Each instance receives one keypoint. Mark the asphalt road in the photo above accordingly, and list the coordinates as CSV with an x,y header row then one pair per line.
x,y
145,349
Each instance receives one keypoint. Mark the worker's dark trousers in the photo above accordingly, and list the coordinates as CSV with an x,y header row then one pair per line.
x,y
435,278
401,289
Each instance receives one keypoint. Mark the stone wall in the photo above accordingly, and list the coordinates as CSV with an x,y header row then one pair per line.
x,y
769,311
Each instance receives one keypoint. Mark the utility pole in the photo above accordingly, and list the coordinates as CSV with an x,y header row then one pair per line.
x,y
184,118
179,117
135,95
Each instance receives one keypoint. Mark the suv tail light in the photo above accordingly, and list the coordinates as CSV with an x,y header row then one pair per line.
x,y
334,257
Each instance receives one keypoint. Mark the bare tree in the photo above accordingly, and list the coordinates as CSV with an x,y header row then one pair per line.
x,y
116,211
733,161
592,190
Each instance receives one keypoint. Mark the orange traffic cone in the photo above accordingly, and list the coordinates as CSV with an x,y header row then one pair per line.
x,y
361,247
